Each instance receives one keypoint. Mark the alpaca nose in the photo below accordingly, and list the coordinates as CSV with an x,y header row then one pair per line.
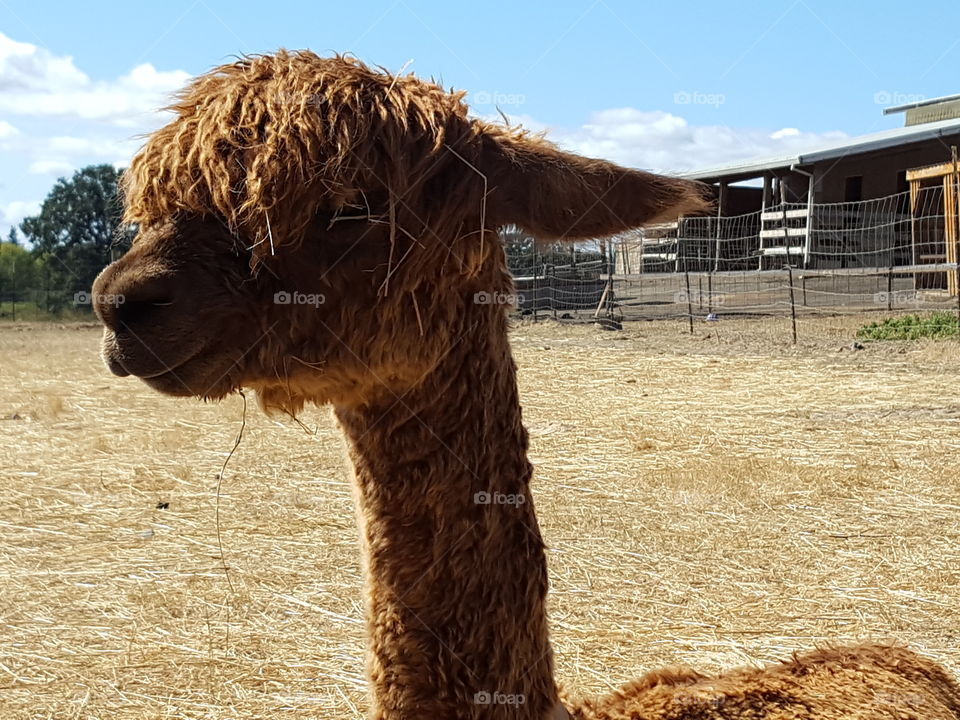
x,y
124,299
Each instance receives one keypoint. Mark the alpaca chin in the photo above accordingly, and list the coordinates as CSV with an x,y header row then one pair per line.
x,y
276,401
345,390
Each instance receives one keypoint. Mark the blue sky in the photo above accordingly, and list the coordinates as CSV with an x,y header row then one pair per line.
x,y
668,86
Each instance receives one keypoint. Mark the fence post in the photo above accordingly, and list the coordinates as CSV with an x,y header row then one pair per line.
x,y
721,197
689,302
890,288
793,305
536,285
552,284
956,220
611,267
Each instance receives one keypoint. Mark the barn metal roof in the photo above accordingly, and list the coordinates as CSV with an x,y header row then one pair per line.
x,y
850,146
920,103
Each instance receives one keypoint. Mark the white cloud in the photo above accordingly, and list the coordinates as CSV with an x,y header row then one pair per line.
x,y
13,212
63,154
50,167
784,133
35,82
69,120
97,147
660,140
25,67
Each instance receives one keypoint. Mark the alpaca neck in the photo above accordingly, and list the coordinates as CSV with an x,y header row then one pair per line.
x,y
456,571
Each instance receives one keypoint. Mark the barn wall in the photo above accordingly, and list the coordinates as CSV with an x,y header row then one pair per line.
x,y
797,186
740,200
879,170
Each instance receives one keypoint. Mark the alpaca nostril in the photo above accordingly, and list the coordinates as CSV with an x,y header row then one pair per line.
x,y
124,298
139,312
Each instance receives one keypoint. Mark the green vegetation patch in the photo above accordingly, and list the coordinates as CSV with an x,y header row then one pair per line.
x,y
912,327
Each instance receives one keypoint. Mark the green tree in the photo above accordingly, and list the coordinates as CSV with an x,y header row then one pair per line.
x,y
18,275
13,238
77,232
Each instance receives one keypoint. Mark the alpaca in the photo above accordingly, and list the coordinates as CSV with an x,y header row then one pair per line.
x,y
322,232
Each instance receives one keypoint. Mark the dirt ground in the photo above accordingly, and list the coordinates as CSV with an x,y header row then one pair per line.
x,y
716,499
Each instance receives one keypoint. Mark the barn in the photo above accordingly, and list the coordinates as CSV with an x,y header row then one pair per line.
x,y
887,199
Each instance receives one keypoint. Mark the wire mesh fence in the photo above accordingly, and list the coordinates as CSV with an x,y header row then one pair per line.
x,y
892,254
43,304
896,254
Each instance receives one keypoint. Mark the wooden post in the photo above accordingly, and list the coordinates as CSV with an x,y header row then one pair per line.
x,y
914,258
721,196
552,284
611,266
603,300
949,231
890,288
786,231
793,305
606,299
676,259
808,240
765,196
689,302
536,285
954,219
764,204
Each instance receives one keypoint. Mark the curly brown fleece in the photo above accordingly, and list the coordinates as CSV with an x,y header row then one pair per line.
x,y
858,682
377,196
269,142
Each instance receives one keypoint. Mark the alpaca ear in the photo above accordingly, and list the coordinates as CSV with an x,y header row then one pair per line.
x,y
557,195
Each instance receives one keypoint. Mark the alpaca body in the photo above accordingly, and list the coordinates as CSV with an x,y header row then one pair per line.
x,y
861,682
291,175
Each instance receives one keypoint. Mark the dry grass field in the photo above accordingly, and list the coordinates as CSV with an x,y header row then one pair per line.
x,y
715,500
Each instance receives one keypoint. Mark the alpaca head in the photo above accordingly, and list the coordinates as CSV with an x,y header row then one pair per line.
x,y
323,232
